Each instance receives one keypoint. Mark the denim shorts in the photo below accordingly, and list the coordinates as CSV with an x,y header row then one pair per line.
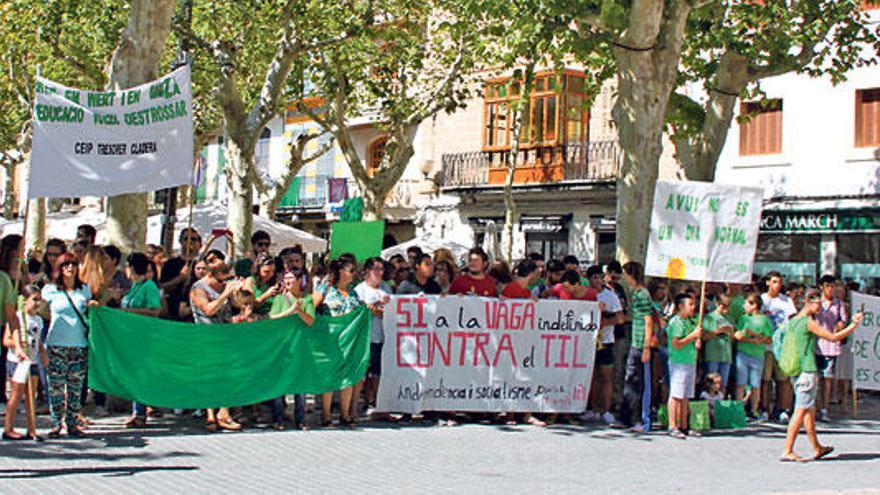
x,y
10,369
826,365
805,389
749,370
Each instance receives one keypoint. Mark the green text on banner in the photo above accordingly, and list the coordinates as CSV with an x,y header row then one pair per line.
x,y
866,343
182,365
483,354
703,231
104,143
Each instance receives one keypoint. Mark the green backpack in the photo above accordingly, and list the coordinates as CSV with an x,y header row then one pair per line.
x,y
794,346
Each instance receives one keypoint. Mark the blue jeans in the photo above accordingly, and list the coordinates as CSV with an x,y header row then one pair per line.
x,y
636,389
139,410
299,409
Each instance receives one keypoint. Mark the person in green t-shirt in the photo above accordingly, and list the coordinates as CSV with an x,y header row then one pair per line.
x,y
143,298
805,329
291,301
637,381
737,303
755,331
683,332
263,284
718,351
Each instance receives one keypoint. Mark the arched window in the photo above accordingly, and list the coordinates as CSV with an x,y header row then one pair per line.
x,y
376,154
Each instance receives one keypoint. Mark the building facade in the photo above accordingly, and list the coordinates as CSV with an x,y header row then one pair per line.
x,y
815,150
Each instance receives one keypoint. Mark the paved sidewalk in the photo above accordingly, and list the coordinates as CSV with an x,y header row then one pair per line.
x,y
175,456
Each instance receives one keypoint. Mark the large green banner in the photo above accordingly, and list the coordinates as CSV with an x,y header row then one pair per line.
x,y
182,365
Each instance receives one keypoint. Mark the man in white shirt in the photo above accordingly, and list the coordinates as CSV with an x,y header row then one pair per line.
x,y
779,308
603,372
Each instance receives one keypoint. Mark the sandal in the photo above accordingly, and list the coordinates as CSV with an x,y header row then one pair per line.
x,y
278,426
55,432
327,423
13,436
76,432
136,422
790,458
824,451
228,424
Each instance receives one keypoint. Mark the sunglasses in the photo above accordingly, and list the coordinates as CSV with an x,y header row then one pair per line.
x,y
68,263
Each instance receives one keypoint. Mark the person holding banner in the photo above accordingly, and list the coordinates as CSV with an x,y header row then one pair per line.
x,y
338,300
21,365
806,329
637,389
289,302
66,344
376,294
210,301
718,353
683,332
145,299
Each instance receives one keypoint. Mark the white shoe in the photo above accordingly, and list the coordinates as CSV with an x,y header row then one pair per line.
x,y
784,417
608,418
590,416
823,416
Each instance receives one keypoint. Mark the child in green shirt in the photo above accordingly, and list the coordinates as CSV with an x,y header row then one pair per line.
x,y
683,333
718,351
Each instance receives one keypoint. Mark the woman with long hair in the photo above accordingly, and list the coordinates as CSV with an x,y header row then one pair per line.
x,y
10,271
264,283
66,344
93,273
339,299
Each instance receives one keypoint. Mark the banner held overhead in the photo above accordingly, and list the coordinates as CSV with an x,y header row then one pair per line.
x,y
703,231
105,143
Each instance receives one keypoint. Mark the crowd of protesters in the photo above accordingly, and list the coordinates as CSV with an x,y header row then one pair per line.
x,y
653,348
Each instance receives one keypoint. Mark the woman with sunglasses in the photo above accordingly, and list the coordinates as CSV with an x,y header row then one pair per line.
x,y
291,301
339,299
805,329
210,301
66,344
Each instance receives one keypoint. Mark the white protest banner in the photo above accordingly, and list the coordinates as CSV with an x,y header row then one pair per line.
x,y
479,354
104,143
866,343
703,231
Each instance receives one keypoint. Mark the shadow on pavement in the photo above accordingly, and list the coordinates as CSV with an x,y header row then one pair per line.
x,y
107,471
854,456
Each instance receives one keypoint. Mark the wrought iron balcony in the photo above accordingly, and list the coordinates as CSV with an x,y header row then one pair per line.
x,y
595,161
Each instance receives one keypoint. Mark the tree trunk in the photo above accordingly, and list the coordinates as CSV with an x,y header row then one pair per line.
x,y
241,196
10,208
645,79
35,236
699,154
510,213
136,61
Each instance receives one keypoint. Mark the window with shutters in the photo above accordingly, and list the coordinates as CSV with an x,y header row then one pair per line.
x,y
762,133
556,113
867,118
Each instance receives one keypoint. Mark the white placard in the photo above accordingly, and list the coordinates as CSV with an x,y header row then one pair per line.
x,y
459,353
703,231
104,143
866,343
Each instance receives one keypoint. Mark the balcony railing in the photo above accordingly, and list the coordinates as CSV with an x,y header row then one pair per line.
x,y
590,162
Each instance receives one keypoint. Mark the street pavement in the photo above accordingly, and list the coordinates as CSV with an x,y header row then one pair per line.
x,y
174,455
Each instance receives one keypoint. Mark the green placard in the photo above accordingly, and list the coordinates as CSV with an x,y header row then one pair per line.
x,y
363,239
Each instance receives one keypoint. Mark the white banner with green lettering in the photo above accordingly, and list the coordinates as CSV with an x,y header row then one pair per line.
x,y
866,342
703,231
104,143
